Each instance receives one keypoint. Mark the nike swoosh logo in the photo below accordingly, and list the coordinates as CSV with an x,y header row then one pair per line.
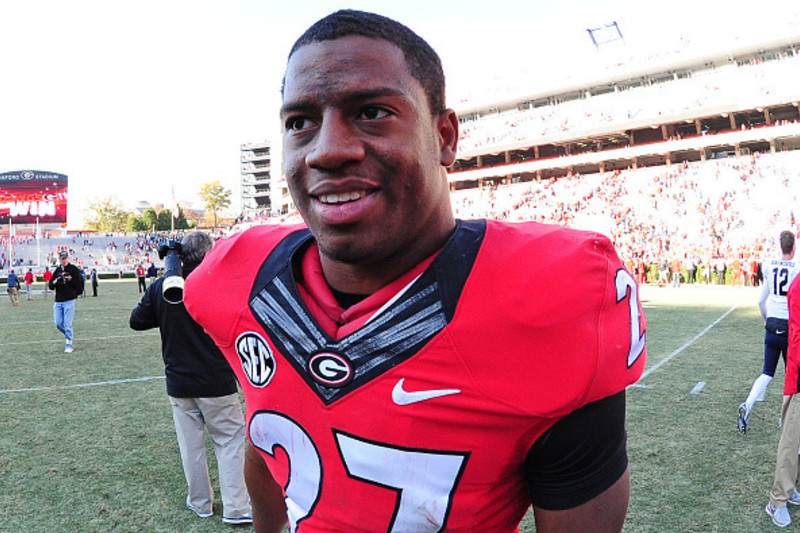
x,y
779,332
403,397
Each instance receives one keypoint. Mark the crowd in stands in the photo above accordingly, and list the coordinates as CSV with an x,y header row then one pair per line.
x,y
709,222
117,252
712,221
719,214
727,86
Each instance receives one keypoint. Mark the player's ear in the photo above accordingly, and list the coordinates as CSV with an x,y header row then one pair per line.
x,y
447,127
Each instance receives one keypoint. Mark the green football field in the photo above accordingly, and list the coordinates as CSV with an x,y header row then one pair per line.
x,y
88,442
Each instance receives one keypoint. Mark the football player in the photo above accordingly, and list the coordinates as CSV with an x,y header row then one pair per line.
x,y
779,274
403,370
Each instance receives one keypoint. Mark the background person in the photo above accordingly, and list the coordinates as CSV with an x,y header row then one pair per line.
x,y
365,340
774,308
13,288
152,272
94,282
67,283
29,279
202,392
784,487
140,272
47,276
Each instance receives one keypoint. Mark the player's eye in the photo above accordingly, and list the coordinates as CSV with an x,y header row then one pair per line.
x,y
297,123
373,113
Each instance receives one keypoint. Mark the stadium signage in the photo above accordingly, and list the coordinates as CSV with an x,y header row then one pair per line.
x,y
28,196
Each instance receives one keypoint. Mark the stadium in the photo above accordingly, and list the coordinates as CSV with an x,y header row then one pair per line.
x,y
688,155
684,158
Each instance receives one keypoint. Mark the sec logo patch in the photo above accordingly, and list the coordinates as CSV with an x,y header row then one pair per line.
x,y
256,357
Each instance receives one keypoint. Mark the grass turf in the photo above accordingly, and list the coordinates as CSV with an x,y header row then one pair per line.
x,y
88,442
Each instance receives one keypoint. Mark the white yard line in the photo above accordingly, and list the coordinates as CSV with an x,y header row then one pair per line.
x,y
81,385
82,339
77,319
698,388
682,348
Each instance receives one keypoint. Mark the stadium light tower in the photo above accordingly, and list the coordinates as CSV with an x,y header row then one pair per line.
x,y
605,35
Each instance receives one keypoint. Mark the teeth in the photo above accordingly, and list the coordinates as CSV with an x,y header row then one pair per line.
x,y
342,197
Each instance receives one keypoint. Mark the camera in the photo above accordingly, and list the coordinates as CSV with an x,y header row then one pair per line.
x,y
173,275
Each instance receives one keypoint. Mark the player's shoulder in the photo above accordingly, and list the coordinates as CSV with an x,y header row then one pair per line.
x,y
233,263
537,233
528,246
564,333
265,232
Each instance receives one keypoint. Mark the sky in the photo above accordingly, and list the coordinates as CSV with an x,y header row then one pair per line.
x,y
135,100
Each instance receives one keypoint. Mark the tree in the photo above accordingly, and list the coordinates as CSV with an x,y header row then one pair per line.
x,y
215,198
164,222
150,219
106,214
181,222
135,224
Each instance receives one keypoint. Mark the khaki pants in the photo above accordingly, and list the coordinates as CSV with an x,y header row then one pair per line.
x,y
13,293
225,422
786,474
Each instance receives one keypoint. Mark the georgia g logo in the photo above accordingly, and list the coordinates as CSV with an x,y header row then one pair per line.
x,y
256,357
330,369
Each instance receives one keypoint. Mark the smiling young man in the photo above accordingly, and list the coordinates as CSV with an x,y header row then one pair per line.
x,y
402,370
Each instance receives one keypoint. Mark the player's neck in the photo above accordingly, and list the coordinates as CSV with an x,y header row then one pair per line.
x,y
368,278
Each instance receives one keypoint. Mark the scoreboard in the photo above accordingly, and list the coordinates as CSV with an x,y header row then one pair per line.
x,y
30,195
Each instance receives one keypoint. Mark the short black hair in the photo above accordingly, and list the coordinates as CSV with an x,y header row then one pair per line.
x,y
423,62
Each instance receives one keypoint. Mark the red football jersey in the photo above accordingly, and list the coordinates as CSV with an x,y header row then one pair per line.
x,y
791,383
421,419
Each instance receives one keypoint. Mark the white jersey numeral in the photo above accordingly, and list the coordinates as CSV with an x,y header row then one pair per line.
x,y
627,288
269,430
425,480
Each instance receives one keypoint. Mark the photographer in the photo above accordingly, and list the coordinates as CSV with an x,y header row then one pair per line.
x,y
67,283
200,384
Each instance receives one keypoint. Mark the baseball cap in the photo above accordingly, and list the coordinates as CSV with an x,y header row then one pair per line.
x,y
63,253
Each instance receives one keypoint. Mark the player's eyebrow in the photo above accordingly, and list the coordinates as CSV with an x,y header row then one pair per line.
x,y
349,97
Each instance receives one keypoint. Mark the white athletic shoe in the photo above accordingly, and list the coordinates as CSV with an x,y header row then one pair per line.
x,y
741,423
68,347
245,519
780,515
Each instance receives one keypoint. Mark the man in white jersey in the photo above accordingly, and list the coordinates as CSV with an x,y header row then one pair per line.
x,y
778,275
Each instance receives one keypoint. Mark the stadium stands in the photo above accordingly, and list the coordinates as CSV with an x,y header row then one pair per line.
x,y
731,209
107,253
679,160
